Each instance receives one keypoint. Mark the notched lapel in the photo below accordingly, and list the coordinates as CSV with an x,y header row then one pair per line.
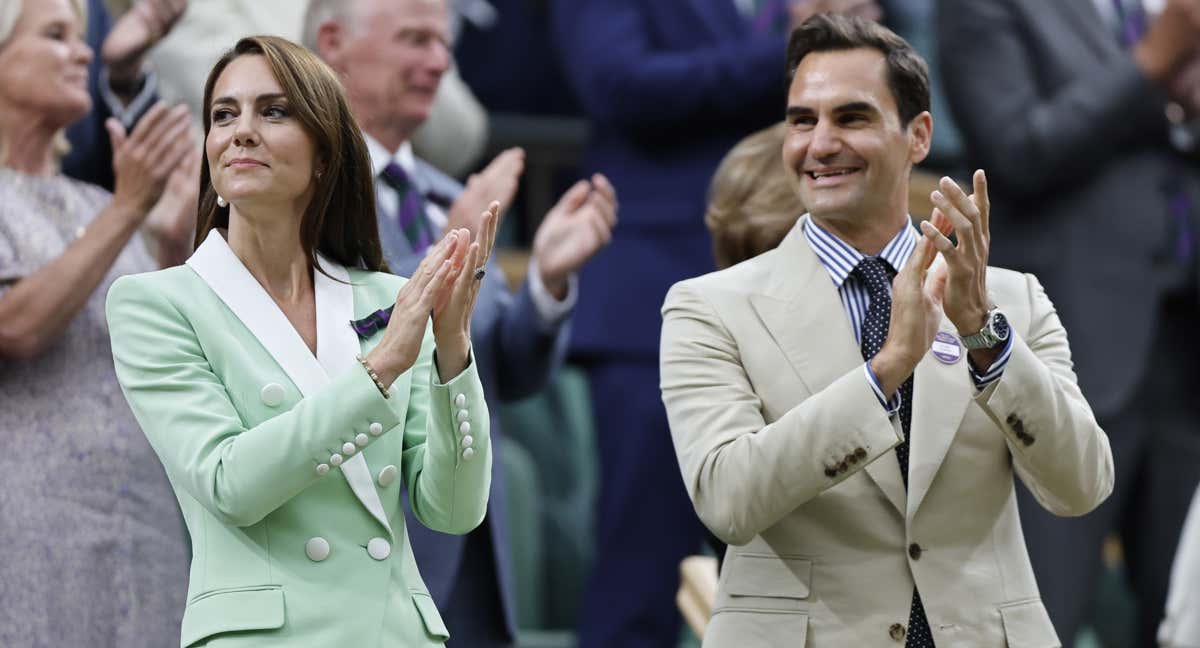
x,y
941,394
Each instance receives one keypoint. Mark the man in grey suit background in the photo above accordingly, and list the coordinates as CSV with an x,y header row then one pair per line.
x,y
1080,111
391,55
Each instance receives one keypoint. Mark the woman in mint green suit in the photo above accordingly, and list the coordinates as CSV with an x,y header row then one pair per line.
x,y
285,400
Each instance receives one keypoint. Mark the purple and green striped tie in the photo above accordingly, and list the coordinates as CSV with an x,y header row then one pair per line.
x,y
410,215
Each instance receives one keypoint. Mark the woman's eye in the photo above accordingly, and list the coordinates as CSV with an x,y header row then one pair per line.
x,y
276,112
221,115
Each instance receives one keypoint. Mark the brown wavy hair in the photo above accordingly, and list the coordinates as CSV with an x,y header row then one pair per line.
x,y
752,203
340,221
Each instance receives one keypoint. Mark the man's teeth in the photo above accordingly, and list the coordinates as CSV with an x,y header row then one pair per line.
x,y
817,175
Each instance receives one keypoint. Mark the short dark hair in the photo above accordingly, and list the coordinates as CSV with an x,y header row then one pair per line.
x,y
907,72
340,221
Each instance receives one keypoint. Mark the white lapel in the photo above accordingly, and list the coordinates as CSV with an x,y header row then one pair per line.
x,y
240,291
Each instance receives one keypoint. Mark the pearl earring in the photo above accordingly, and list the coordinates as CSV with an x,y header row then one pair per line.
x,y
221,202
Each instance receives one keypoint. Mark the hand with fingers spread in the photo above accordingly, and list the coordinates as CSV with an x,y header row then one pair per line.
x,y
420,295
963,278
145,158
139,29
574,231
497,182
452,312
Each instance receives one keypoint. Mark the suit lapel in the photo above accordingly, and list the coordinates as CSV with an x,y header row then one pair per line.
x,y
941,394
801,310
224,273
337,346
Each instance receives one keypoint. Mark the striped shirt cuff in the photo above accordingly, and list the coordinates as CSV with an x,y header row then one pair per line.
x,y
891,407
993,372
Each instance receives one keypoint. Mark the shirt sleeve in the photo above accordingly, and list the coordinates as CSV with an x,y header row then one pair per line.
x,y
892,406
996,370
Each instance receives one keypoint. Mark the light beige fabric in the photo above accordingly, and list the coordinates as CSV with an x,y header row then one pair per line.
x,y
765,392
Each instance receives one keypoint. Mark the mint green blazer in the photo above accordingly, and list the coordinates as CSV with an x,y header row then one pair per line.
x,y
288,466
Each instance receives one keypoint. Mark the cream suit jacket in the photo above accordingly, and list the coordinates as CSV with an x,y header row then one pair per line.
x,y
787,455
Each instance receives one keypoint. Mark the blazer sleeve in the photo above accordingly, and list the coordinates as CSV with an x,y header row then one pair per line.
x,y
622,76
448,489
1057,446
241,474
1050,136
743,474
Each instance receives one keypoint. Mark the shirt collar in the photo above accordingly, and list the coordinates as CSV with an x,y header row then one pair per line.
x,y
840,259
380,157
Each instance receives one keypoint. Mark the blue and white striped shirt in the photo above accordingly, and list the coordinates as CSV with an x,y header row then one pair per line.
x,y
840,260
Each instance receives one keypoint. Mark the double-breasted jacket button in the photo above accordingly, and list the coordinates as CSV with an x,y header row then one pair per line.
x,y
375,429
464,428
468,453
348,448
272,394
460,400
387,475
468,441
361,440
336,459
463,415
914,551
317,549
322,469
897,632
378,548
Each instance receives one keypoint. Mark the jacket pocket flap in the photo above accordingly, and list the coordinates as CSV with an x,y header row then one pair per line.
x,y
257,607
767,575
430,615
1027,625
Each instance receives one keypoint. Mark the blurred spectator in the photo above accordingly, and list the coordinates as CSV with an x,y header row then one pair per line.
x,y
1181,626
95,552
1066,105
453,137
391,54
670,86
752,203
119,85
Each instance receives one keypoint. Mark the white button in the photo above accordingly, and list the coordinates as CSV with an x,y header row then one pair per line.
x,y
387,475
80,231
460,400
348,448
272,394
468,441
362,440
317,549
335,459
379,548
322,469
464,428
463,415
468,453
375,429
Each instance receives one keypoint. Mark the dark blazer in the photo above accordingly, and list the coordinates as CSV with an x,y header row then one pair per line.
x,y
1075,143
671,85
516,358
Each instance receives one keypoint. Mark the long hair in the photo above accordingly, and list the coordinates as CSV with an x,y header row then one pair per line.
x,y
339,222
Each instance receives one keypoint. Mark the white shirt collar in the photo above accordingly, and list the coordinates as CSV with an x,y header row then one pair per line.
x,y
380,157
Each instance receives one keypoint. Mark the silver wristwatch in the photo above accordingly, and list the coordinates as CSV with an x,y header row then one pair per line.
x,y
995,331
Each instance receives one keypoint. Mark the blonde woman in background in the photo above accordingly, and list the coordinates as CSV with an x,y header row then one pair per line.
x,y
752,204
94,549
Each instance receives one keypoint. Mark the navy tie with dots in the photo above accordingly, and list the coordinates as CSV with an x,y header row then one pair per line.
x,y
876,276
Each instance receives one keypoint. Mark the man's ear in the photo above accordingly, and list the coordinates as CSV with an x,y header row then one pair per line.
x,y
330,40
920,136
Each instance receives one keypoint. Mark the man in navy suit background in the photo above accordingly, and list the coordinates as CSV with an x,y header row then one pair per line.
x,y
670,85
391,55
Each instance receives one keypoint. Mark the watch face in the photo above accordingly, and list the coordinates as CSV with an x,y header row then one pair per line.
x,y
1000,326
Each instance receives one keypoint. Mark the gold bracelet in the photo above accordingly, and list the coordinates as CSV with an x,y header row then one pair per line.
x,y
374,376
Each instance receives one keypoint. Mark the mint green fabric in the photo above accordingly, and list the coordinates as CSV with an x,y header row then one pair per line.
x,y
245,473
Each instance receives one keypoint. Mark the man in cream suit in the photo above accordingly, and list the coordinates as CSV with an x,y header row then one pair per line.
x,y
854,436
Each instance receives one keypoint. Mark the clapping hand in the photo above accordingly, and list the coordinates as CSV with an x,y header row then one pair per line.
x,y
171,223
497,182
146,22
452,311
574,231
